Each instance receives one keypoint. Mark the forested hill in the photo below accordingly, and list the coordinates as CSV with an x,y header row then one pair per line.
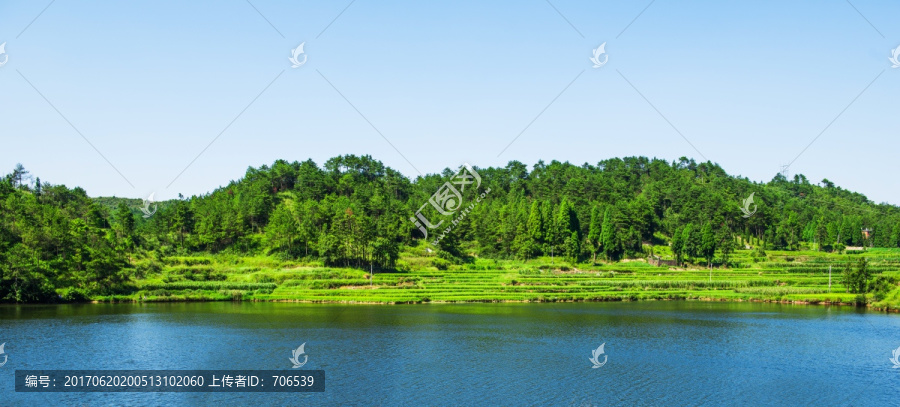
x,y
354,211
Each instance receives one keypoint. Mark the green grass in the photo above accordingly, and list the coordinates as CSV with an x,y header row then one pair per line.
x,y
780,276
207,285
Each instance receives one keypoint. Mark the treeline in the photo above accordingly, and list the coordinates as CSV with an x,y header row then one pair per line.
x,y
53,237
353,211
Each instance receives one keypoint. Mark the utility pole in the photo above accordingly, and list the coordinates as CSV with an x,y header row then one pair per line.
x,y
371,276
829,278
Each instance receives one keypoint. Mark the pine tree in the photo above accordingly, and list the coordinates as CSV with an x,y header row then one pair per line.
x,y
689,244
821,236
522,244
183,219
594,232
634,243
282,230
573,247
678,245
19,175
707,243
609,237
549,227
125,224
563,222
536,225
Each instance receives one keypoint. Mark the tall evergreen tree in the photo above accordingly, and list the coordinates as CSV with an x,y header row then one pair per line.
x,y
536,224
610,237
573,247
707,243
125,219
282,231
549,227
690,241
595,232
678,245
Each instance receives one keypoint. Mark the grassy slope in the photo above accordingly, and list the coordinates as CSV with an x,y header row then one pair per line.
x,y
782,276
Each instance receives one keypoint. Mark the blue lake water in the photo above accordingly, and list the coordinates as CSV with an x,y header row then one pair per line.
x,y
658,353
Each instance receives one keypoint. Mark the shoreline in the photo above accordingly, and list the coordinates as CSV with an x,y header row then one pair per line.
x,y
886,310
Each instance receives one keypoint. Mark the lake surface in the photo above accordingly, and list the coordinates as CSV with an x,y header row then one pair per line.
x,y
659,353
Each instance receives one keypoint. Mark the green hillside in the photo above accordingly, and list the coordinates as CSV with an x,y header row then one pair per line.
x,y
298,231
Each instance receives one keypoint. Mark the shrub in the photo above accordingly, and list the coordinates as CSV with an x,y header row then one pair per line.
x,y
188,261
207,285
882,285
409,279
203,275
780,291
759,253
856,279
73,295
148,267
317,285
440,264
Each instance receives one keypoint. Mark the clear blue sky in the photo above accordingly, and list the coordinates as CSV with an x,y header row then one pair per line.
x,y
151,83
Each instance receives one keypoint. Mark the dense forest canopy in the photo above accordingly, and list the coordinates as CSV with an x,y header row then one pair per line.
x,y
355,212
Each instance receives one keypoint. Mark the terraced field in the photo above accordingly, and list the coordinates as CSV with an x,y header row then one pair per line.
x,y
780,276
